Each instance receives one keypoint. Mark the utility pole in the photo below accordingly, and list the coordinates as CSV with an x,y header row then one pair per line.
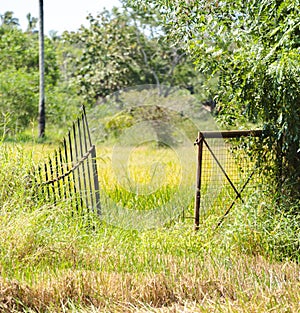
x,y
42,112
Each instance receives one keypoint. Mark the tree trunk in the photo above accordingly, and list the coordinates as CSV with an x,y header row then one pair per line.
x,y
42,112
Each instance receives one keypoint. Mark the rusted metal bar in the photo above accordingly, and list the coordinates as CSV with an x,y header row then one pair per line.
x,y
79,163
222,169
199,142
85,131
242,189
74,176
51,177
96,182
81,155
94,166
46,176
67,165
62,167
86,125
231,133
57,173
78,170
233,202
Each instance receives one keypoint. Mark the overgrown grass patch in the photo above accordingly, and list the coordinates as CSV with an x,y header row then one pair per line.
x,y
53,259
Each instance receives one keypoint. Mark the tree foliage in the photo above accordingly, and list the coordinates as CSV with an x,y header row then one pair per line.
x,y
254,48
18,99
20,50
8,20
127,48
19,67
107,63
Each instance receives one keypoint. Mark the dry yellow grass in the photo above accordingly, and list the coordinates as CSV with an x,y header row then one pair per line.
x,y
250,285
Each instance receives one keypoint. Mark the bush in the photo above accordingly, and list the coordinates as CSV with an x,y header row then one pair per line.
x,y
263,227
19,100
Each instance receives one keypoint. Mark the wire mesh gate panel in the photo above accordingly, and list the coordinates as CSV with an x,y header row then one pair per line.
x,y
224,170
71,172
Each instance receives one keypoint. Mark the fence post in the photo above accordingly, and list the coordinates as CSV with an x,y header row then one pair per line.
x,y
96,182
199,143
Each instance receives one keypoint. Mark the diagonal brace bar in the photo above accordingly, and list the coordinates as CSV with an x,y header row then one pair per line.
x,y
223,171
242,189
233,202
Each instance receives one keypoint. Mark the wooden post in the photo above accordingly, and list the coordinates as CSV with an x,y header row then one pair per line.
x,y
199,142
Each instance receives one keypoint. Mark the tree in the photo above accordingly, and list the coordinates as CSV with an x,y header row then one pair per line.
x,y
7,19
253,46
18,90
107,62
126,48
19,67
166,64
20,50
42,112
32,21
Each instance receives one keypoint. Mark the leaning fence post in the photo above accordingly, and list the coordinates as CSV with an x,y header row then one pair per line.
x,y
96,182
199,143
52,179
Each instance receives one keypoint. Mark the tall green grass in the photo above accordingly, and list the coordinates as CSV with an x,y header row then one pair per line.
x,y
53,259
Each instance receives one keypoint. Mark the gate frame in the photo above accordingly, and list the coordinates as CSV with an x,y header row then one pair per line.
x,y
200,141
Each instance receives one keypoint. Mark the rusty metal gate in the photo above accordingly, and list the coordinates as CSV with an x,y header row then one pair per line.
x,y
212,171
71,172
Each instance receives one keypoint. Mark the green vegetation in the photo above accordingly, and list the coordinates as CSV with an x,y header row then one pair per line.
x,y
118,49
53,259
19,88
253,47
126,48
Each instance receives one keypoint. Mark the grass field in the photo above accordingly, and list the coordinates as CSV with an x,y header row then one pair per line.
x,y
53,260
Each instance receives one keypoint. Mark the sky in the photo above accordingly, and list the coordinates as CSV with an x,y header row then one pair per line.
x,y
59,15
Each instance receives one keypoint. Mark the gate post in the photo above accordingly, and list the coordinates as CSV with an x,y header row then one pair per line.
x,y
199,143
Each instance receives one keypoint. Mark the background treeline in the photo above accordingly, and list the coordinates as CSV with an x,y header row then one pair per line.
x,y
120,48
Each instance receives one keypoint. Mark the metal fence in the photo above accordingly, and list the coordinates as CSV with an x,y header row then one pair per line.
x,y
225,169
71,172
